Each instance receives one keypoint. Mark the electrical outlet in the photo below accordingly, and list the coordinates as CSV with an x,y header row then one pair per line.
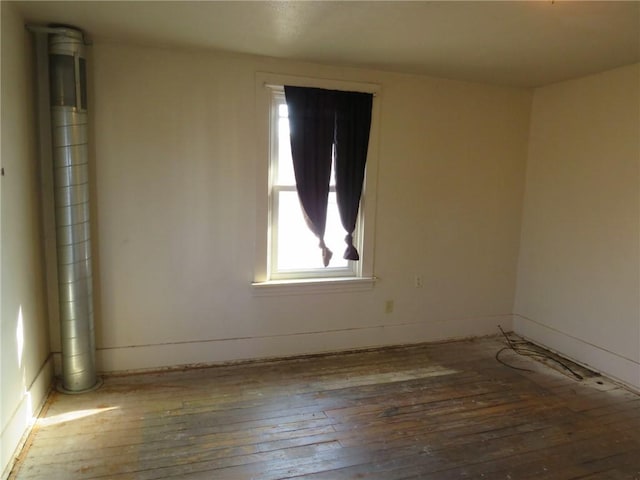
x,y
417,281
388,306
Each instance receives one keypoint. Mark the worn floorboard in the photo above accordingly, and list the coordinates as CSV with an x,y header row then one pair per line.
x,y
439,411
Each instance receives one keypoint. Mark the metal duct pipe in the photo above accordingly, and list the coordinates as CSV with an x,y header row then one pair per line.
x,y
68,99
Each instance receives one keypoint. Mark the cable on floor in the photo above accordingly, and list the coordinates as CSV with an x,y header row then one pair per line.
x,y
525,351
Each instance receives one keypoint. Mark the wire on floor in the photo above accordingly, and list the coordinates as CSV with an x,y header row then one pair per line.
x,y
523,348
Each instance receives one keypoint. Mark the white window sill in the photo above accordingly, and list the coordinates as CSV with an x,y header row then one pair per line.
x,y
306,286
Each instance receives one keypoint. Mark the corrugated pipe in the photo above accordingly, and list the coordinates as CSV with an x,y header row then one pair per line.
x,y
68,101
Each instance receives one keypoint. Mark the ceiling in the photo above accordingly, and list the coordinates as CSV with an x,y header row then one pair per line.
x,y
523,43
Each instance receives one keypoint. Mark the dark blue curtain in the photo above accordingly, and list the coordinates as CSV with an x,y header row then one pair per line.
x,y
353,122
324,122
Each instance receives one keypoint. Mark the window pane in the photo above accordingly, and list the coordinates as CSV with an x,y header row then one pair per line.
x,y
332,180
285,163
297,246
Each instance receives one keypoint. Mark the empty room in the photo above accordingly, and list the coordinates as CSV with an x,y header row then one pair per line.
x,y
320,240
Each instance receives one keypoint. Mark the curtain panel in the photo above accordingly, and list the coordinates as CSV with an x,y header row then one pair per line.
x,y
323,124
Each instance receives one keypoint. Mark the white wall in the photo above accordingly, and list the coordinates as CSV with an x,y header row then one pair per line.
x,y
175,167
25,372
578,282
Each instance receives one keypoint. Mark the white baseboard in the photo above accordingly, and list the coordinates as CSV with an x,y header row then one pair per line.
x,y
205,352
596,358
19,426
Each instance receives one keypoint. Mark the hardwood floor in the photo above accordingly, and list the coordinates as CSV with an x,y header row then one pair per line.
x,y
439,411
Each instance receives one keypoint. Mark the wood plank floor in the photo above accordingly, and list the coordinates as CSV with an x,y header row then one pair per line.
x,y
439,411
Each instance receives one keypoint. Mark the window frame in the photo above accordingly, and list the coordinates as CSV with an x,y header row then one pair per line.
x,y
360,275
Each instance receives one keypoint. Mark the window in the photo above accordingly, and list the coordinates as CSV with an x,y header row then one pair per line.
x,y
288,259
294,251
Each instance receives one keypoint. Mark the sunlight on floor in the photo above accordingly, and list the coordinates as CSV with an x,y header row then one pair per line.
x,y
71,416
